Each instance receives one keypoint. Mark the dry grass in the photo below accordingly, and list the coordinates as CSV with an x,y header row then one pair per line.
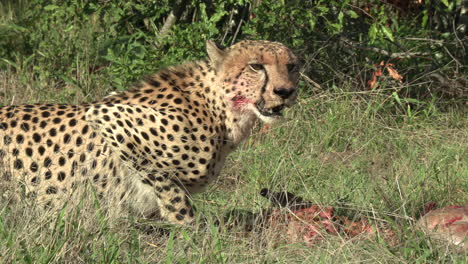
x,y
330,152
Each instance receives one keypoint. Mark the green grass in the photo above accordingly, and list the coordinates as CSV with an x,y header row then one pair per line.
x,y
359,152
332,150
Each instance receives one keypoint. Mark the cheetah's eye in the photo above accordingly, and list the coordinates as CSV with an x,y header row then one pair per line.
x,y
291,67
256,67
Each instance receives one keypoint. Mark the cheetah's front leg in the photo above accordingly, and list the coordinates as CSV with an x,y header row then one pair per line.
x,y
136,137
173,201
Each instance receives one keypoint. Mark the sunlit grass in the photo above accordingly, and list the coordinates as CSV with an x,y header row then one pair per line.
x,y
329,151
357,151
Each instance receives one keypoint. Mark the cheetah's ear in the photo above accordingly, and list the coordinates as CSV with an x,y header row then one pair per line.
x,y
215,54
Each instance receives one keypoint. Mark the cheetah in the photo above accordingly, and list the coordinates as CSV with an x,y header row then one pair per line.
x,y
156,144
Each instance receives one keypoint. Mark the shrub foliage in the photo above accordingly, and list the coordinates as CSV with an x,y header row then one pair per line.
x,y
340,41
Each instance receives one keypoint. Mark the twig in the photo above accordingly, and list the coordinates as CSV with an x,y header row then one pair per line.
x,y
456,32
243,15
455,59
228,28
438,41
311,81
237,31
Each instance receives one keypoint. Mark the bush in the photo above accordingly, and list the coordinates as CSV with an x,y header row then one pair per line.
x,y
340,41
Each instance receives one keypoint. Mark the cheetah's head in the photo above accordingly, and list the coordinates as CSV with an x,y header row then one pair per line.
x,y
258,77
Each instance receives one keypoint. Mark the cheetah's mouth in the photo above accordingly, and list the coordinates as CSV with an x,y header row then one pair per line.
x,y
269,112
267,115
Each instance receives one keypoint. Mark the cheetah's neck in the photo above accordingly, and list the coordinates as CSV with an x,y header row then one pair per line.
x,y
224,108
204,85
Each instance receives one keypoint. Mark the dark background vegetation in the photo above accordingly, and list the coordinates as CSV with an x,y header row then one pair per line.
x,y
339,41
358,139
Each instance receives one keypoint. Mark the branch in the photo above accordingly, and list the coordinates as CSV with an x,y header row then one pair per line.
x,y
170,21
172,18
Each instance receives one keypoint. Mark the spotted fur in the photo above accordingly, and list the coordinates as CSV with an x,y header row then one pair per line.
x,y
154,145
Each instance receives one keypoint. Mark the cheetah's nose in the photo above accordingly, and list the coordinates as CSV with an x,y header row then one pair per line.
x,y
284,92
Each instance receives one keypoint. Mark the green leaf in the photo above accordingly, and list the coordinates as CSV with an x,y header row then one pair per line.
x,y
396,97
425,18
170,248
414,101
11,63
323,9
340,17
373,32
312,23
352,14
50,7
387,32
220,13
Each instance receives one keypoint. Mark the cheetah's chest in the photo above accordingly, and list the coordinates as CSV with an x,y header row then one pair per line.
x,y
196,184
